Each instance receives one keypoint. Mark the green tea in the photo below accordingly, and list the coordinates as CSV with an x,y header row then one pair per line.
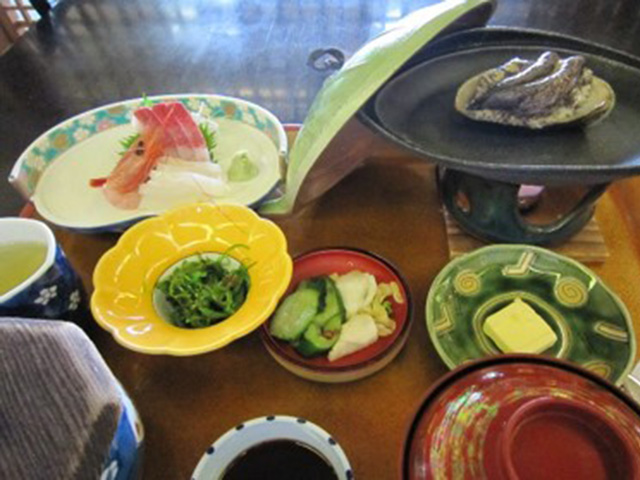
x,y
18,261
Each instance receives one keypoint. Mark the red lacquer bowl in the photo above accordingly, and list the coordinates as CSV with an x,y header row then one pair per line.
x,y
523,418
364,362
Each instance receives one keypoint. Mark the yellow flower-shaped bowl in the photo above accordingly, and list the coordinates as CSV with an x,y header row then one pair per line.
x,y
126,276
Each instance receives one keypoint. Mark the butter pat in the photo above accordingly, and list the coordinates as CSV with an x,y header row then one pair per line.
x,y
517,328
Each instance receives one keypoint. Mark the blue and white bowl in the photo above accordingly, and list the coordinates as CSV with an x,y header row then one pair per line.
x,y
124,461
54,290
219,456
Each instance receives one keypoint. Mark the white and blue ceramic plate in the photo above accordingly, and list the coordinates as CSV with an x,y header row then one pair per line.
x,y
55,170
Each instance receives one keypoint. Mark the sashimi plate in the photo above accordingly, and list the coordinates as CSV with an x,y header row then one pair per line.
x,y
56,169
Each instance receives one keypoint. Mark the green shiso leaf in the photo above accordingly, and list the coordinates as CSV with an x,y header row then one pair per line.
x,y
145,101
127,142
209,138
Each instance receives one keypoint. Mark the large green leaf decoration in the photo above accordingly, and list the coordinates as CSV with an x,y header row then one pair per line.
x,y
346,91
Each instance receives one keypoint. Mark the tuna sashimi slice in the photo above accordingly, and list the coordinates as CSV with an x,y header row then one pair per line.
x,y
162,110
167,113
148,120
184,138
181,118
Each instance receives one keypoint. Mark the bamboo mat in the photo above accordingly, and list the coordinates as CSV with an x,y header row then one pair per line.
x,y
587,246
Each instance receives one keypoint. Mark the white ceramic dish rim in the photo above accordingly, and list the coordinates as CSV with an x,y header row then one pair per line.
x,y
14,175
210,467
25,229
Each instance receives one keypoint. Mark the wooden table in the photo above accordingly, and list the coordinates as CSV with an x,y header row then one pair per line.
x,y
389,206
94,52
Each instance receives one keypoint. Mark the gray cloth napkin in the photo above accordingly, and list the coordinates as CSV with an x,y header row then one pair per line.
x,y
59,402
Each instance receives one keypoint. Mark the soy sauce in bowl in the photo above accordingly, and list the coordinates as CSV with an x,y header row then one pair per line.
x,y
280,460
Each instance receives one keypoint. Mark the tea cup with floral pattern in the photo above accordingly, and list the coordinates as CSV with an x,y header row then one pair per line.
x,y
53,290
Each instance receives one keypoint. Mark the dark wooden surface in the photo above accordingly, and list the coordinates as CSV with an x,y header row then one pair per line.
x,y
95,52
390,207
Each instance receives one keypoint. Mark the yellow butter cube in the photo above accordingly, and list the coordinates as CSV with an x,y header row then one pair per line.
x,y
517,328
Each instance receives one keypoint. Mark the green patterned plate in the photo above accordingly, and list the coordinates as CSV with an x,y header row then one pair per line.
x,y
592,324
54,171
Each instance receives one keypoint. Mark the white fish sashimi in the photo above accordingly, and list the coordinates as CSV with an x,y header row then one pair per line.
x,y
176,165
176,182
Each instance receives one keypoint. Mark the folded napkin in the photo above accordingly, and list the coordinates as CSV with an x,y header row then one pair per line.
x,y
59,402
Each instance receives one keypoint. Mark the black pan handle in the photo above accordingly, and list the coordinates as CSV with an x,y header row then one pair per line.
x,y
326,59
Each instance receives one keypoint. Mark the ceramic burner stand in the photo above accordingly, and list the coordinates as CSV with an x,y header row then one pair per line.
x,y
493,212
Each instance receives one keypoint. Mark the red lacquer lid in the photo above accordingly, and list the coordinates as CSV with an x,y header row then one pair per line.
x,y
524,418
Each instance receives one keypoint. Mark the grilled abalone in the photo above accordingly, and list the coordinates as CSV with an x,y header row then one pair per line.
x,y
536,93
